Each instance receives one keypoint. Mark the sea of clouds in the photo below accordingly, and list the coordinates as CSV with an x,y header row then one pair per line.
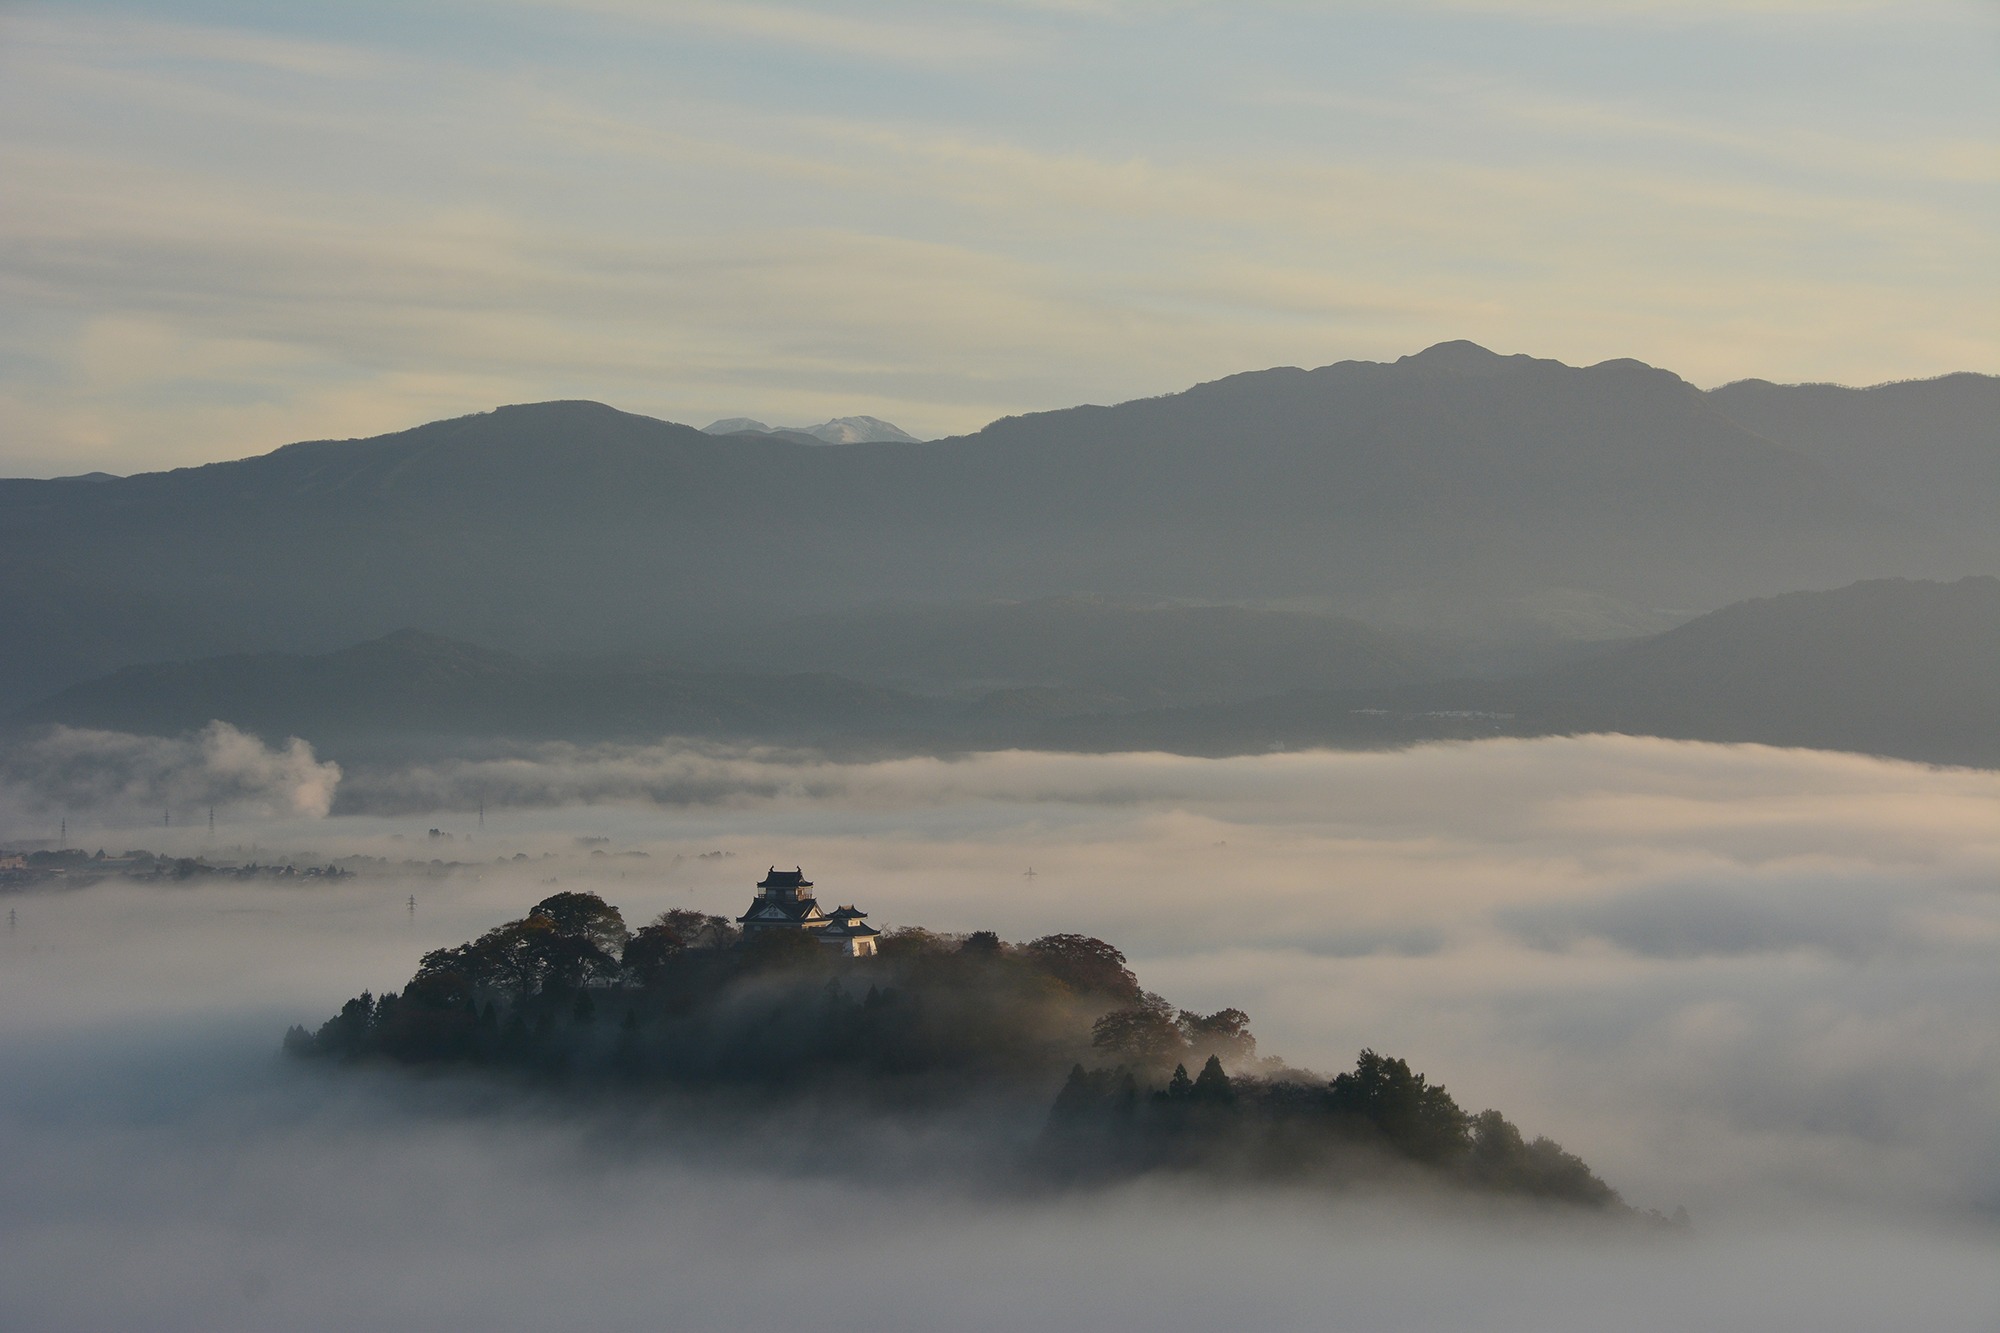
x,y
1756,982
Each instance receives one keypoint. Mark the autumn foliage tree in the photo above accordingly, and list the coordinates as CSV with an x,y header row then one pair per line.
x,y
1087,966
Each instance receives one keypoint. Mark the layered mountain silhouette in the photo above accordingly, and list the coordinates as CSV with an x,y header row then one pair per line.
x,y
410,685
1445,484
1119,652
1898,667
1893,667
1927,448
840,430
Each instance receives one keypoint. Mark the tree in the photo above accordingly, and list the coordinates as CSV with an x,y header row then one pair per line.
x,y
1419,1118
650,954
1212,1086
1142,1033
347,1032
651,951
524,958
906,942
1087,966
783,950
584,915
698,930
1224,1032
1179,1086
1500,1159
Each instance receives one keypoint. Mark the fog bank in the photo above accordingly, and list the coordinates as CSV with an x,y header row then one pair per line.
x,y
1756,982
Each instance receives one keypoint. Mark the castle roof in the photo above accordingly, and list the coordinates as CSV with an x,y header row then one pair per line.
x,y
785,879
786,911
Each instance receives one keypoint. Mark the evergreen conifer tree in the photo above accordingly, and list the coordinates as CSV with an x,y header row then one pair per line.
x,y
1212,1086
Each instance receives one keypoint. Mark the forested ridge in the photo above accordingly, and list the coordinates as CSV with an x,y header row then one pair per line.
x,y
569,996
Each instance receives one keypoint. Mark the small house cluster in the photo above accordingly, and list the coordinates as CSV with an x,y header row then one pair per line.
x,y
785,901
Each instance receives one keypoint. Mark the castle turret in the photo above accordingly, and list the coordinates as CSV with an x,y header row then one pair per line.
x,y
791,885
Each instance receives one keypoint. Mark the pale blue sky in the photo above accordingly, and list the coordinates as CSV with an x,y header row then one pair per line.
x,y
224,226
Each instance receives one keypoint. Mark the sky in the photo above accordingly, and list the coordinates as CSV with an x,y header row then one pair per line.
x,y
229,225
1754,982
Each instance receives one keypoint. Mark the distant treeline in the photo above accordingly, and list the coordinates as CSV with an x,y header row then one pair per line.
x,y
569,994
73,867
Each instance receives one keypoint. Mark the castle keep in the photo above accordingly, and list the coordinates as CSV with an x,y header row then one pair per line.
x,y
785,901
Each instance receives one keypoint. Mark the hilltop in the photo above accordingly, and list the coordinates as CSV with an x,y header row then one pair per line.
x,y
765,1020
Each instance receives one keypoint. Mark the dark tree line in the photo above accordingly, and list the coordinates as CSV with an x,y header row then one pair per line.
x,y
570,992
1286,1124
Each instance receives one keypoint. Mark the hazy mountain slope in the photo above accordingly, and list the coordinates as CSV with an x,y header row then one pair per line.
x,y
1929,447
1891,666
1166,653
57,627
413,684
1454,467
840,430
1894,667
571,525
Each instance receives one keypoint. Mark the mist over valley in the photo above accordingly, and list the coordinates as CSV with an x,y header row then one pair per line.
x,y
1730,978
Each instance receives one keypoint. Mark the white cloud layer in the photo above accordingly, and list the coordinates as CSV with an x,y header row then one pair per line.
x,y
1758,982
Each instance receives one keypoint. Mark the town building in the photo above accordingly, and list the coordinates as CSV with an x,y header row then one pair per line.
x,y
785,901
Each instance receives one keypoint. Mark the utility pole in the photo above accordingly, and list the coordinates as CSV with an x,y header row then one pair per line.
x,y
63,841
413,907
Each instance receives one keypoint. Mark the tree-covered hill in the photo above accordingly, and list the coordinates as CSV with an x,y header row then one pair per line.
x,y
1059,1027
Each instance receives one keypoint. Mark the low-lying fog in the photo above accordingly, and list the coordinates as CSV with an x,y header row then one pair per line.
x,y
1758,983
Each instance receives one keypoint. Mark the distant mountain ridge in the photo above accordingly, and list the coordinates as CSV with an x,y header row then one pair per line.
x,y
1443,483
1889,666
1904,668
1164,653
1893,667
410,684
1928,448
840,430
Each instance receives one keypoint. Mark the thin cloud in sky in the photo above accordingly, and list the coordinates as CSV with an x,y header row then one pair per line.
x,y
934,39
1703,11
96,35
308,226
